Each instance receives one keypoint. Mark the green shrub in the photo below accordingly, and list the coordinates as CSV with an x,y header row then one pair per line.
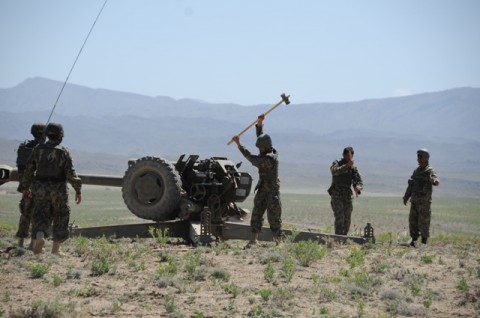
x,y
37,270
170,306
269,272
56,281
232,289
198,314
288,268
356,257
256,311
463,285
427,259
307,252
160,235
100,266
265,294
80,245
168,269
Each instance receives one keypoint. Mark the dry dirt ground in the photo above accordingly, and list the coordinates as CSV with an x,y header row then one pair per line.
x,y
152,278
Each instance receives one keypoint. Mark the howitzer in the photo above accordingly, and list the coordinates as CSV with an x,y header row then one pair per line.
x,y
156,189
194,199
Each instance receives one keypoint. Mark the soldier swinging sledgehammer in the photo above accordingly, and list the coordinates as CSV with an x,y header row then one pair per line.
x,y
267,197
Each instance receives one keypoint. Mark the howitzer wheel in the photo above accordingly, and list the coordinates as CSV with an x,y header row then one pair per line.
x,y
152,188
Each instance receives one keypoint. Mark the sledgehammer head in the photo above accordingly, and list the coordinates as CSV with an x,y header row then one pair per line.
x,y
285,98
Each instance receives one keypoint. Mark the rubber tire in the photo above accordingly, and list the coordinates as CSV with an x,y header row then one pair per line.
x,y
152,188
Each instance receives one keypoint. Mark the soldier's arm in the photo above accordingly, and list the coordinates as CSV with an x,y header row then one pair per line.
x,y
259,125
71,175
257,161
408,192
29,172
434,178
338,169
357,181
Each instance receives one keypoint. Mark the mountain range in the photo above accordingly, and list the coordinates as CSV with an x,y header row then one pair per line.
x,y
105,128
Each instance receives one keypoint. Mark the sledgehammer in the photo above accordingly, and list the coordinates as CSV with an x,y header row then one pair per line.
x,y
285,99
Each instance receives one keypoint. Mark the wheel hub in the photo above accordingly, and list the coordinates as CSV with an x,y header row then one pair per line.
x,y
148,188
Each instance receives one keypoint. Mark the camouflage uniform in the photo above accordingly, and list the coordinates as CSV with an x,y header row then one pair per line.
x,y
52,166
26,205
419,191
341,193
268,189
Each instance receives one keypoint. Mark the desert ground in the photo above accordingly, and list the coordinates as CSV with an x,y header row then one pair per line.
x,y
162,276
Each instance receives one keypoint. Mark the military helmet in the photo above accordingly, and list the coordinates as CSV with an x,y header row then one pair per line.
x,y
423,154
37,130
54,130
264,141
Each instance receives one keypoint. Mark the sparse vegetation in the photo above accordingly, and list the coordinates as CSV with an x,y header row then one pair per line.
x,y
265,294
38,270
100,266
427,259
463,285
151,276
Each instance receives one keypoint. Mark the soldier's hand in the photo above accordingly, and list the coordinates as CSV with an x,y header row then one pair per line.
x,y
357,191
27,194
260,120
78,198
436,182
350,163
405,201
236,139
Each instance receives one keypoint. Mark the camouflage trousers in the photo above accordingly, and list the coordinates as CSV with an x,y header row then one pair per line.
x,y
26,211
266,201
342,210
419,219
51,211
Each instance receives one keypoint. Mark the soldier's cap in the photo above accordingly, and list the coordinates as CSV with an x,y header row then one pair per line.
x,y
423,154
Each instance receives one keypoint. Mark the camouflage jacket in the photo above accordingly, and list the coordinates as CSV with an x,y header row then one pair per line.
x,y
420,184
51,162
344,177
23,153
267,165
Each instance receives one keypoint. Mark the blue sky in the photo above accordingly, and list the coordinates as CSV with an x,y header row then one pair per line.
x,y
246,52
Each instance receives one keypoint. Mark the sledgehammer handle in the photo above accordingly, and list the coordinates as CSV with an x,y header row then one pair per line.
x,y
284,99
247,128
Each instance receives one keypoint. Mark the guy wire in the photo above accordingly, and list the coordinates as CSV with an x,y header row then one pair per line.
x,y
75,62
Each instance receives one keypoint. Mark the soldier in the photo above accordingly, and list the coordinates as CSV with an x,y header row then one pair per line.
x,y
344,175
52,166
419,191
268,186
26,205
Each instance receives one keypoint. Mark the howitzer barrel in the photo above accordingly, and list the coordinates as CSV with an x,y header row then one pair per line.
x,y
110,181
8,174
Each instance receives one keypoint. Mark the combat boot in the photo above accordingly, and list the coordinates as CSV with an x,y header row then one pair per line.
x,y
56,249
31,246
278,237
40,242
253,240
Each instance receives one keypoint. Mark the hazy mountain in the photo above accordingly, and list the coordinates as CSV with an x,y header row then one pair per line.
x,y
104,128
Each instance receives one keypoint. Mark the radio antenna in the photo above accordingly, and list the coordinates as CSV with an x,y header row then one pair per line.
x,y
75,62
